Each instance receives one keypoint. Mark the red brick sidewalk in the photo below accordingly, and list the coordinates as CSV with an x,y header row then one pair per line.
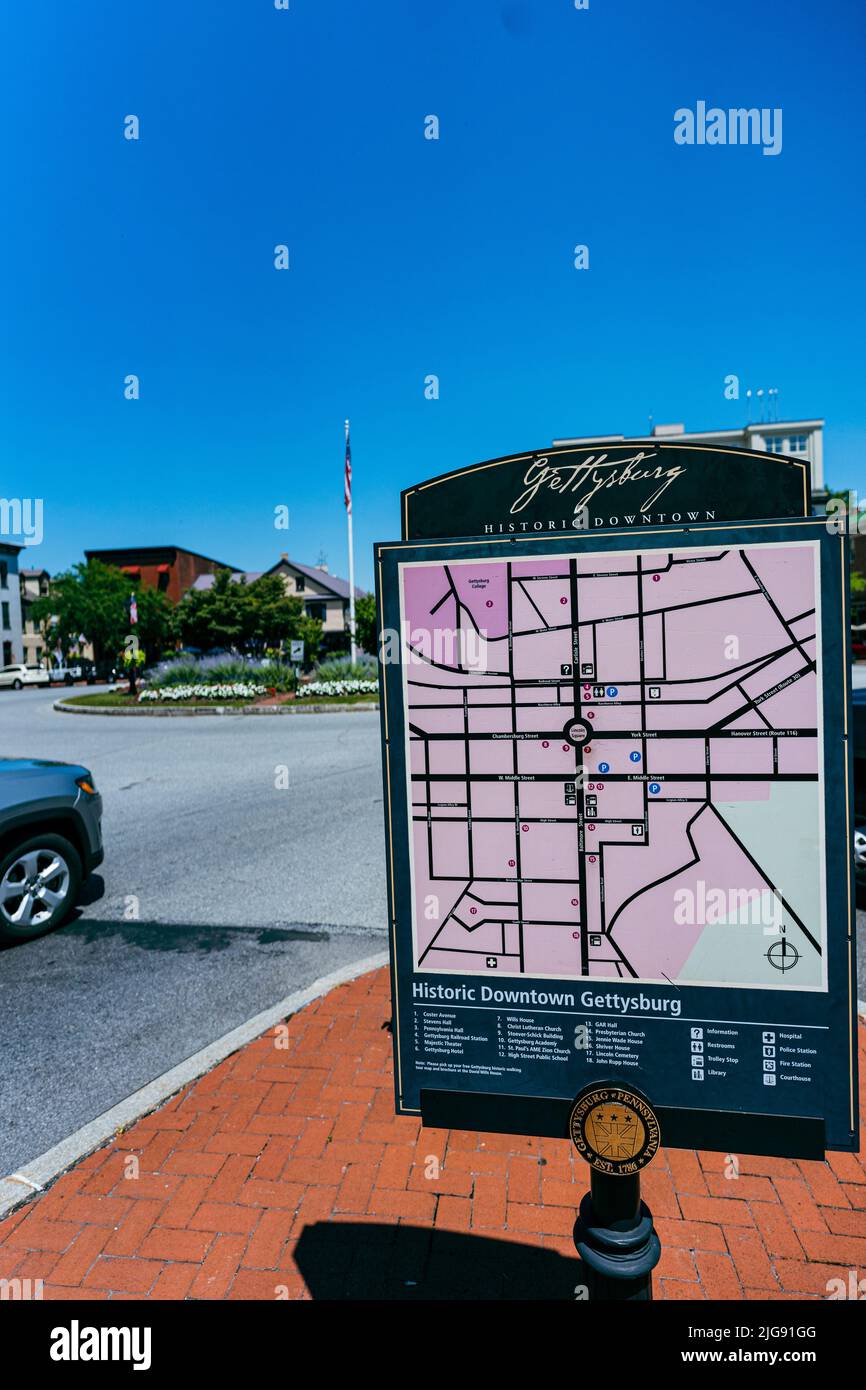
x,y
283,1173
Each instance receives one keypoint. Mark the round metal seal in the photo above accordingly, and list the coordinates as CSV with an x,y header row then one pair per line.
x,y
614,1129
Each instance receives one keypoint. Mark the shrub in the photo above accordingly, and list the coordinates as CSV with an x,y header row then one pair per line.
x,y
220,670
344,669
211,690
331,688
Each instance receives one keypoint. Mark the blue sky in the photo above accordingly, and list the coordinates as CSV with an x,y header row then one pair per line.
x,y
408,256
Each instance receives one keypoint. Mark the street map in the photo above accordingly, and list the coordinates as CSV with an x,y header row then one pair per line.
x,y
614,768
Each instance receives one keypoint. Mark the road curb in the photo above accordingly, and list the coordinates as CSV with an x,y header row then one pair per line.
x,y
162,713
38,1173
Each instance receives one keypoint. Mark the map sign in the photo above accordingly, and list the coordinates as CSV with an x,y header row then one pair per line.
x,y
619,849
629,775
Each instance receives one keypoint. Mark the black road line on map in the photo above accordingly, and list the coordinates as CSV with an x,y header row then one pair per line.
x,y
451,913
625,777
464,951
527,595
642,669
753,707
675,608
536,735
429,807
771,601
461,606
769,882
630,574
757,662
447,594
494,902
665,877
517,850
807,613
580,804
440,666
759,699
468,786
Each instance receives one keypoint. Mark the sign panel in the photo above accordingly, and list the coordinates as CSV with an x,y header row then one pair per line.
x,y
619,835
632,484
296,649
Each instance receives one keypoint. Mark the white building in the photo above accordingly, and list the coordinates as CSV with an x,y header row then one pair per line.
x,y
12,649
34,585
798,438
325,596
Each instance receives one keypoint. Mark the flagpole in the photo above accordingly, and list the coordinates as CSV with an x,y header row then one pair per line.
x,y
352,647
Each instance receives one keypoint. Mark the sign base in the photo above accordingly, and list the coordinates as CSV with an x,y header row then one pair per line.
x,y
615,1238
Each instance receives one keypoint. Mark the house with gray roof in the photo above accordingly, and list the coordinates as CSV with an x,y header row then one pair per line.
x,y
324,595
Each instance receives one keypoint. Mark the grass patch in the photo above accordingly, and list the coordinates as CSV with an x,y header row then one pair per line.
x,y
102,697
337,700
113,699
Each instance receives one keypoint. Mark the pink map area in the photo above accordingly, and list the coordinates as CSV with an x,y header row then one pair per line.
x,y
582,777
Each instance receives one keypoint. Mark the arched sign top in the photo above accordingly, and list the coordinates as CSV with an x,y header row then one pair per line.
x,y
607,486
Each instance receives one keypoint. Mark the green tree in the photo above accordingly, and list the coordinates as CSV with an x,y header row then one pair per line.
x,y
310,633
252,617
365,623
92,600
214,617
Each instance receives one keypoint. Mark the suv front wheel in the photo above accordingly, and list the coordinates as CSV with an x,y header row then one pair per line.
x,y
39,882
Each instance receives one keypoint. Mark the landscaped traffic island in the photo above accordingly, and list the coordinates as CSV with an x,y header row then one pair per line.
x,y
262,690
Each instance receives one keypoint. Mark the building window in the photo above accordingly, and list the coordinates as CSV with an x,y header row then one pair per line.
x,y
787,443
7,653
299,583
4,575
317,611
6,623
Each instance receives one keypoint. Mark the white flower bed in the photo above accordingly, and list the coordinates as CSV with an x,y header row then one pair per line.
x,y
232,690
320,688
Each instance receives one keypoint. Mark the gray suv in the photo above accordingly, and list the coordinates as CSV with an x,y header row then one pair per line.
x,y
50,840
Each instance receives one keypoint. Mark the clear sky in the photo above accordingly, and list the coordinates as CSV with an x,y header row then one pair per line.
x,y
408,256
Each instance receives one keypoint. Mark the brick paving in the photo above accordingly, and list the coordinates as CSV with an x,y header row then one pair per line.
x,y
284,1173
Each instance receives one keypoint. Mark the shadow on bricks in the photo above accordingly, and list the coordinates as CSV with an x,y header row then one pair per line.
x,y
346,1260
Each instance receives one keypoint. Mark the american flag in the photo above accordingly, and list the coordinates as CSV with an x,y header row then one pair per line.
x,y
347,484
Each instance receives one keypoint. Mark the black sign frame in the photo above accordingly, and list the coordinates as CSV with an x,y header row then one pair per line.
x,y
634,483
804,1134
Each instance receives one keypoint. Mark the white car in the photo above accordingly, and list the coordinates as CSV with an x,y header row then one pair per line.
x,y
20,675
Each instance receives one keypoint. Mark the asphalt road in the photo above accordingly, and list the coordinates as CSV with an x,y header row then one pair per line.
x,y
222,891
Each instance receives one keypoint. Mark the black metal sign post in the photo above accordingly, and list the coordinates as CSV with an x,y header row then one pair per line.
x,y
615,1238
547,810
618,1134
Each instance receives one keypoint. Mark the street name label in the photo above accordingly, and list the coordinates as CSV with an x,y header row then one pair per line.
x,y
619,845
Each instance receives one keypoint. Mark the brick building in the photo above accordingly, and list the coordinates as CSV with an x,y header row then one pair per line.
x,y
168,568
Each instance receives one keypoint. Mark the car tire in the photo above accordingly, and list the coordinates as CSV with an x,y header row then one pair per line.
x,y
19,865
67,679
17,684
